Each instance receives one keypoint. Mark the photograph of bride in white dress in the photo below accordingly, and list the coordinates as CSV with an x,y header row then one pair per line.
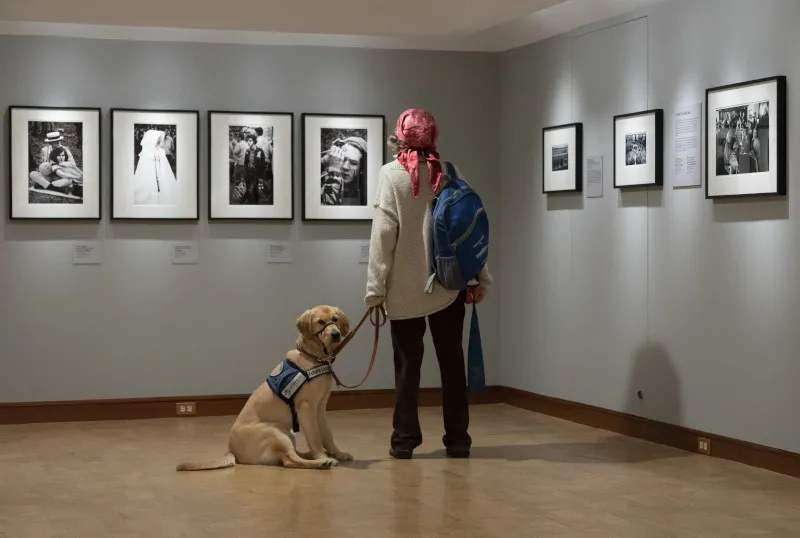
x,y
154,163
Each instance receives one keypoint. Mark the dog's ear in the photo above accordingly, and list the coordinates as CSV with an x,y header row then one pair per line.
x,y
304,324
344,322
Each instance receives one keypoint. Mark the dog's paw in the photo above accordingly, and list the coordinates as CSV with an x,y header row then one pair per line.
x,y
343,456
328,463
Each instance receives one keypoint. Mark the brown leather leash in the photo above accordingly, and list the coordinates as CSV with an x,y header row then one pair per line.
x,y
331,357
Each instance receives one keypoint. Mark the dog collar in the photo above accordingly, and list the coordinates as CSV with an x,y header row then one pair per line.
x,y
323,359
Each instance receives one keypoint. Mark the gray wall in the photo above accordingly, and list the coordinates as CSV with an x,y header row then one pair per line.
x,y
137,326
691,301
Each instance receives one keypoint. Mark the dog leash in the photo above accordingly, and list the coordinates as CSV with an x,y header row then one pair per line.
x,y
330,358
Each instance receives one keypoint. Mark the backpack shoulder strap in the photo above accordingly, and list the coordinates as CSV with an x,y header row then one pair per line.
x,y
448,172
449,168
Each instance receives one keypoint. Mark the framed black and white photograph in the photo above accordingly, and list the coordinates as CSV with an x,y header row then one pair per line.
x,y
639,149
342,156
746,139
251,165
54,165
562,166
154,166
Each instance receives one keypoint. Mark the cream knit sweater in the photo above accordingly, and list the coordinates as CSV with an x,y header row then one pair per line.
x,y
400,247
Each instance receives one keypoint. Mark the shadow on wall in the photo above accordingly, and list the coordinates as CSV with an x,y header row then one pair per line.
x,y
654,374
568,201
749,209
43,230
640,197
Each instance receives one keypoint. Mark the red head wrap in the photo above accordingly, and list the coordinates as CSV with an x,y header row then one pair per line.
x,y
418,130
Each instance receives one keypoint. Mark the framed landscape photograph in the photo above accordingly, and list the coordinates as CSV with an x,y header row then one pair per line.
x,y
746,139
342,156
251,172
639,149
154,164
54,163
562,158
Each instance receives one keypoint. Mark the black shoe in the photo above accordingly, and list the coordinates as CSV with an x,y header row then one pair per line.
x,y
456,452
401,453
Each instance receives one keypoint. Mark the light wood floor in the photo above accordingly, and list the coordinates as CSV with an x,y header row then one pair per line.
x,y
529,476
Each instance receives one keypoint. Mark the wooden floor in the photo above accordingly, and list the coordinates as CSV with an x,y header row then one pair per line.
x,y
529,476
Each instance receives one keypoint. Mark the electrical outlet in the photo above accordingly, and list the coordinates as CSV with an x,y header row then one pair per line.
x,y
186,408
704,446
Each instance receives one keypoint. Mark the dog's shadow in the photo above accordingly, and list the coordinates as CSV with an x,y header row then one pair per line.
x,y
612,451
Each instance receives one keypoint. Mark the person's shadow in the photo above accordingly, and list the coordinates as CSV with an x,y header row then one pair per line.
x,y
654,386
654,398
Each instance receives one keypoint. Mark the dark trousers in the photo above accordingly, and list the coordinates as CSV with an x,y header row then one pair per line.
x,y
447,328
251,195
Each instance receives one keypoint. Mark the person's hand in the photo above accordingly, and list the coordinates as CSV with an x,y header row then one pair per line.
x,y
479,293
337,150
476,294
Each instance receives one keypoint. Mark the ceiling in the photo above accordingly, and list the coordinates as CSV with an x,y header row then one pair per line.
x,y
494,25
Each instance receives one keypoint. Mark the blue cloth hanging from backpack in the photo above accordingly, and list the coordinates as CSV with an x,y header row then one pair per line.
x,y
476,377
460,245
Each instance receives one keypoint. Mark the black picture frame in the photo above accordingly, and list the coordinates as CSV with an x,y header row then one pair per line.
x,y
291,157
576,171
371,173
113,160
656,174
13,141
777,128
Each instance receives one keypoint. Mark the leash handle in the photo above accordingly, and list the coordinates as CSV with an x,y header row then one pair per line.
x,y
376,322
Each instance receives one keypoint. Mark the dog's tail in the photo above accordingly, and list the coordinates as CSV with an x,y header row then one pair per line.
x,y
228,460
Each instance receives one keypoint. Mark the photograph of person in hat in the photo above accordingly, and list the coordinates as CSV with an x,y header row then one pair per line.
x,y
344,167
53,141
55,175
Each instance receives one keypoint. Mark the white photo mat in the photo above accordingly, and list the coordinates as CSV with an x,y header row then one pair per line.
x,y
283,176
312,152
648,124
568,179
20,175
122,172
755,183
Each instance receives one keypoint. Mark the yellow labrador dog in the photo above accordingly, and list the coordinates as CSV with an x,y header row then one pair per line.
x,y
295,394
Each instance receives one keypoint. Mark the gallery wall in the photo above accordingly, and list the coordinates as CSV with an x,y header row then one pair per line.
x,y
693,302
136,325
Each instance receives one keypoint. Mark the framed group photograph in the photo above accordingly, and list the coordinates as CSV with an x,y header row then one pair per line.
x,y
251,172
639,149
154,164
562,158
54,163
746,139
342,156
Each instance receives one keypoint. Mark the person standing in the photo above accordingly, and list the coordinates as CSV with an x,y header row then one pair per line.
x,y
255,167
168,144
398,271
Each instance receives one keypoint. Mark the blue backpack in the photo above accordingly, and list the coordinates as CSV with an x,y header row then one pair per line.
x,y
460,245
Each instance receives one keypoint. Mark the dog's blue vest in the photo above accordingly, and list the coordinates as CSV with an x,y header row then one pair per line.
x,y
287,378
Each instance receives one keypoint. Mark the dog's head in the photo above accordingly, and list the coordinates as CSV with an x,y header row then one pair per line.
x,y
326,325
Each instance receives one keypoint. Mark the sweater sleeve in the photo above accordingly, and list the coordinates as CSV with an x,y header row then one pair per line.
x,y
383,240
485,278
